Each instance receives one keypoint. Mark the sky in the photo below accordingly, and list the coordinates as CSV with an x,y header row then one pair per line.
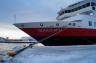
x,y
27,11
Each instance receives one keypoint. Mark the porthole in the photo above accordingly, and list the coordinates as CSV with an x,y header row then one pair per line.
x,y
41,24
57,24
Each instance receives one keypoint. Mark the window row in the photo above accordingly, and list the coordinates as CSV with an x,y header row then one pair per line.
x,y
73,24
93,4
78,8
57,24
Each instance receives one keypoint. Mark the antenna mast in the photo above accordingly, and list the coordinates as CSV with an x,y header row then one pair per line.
x,y
15,18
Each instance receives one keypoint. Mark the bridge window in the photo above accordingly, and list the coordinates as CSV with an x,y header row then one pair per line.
x,y
93,4
78,8
66,11
88,4
93,8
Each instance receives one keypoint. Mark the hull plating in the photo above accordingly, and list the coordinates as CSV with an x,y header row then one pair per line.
x,y
60,41
62,36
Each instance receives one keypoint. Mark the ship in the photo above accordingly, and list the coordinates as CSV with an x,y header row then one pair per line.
x,y
75,25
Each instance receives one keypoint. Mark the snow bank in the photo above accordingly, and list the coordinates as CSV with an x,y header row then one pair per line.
x,y
59,54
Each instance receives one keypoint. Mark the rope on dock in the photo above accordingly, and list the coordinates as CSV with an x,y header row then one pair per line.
x,y
14,53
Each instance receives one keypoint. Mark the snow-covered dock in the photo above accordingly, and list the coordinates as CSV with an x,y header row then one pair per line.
x,y
57,54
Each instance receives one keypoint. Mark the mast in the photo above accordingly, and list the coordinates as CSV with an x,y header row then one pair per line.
x,y
15,18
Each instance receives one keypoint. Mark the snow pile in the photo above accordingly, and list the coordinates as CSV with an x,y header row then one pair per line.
x,y
5,46
59,54
38,44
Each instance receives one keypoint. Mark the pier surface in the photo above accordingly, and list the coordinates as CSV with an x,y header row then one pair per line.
x,y
57,54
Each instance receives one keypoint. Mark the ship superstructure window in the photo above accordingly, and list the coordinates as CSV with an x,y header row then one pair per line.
x,y
88,4
90,23
57,24
82,6
76,9
94,24
93,4
69,24
41,24
66,11
93,8
74,24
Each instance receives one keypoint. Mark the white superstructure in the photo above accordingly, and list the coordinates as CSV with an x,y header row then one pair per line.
x,y
82,14
79,15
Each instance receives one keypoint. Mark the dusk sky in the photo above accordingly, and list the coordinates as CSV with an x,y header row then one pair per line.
x,y
27,11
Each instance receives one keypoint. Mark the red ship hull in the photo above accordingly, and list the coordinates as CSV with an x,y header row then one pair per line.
x,y
62,36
